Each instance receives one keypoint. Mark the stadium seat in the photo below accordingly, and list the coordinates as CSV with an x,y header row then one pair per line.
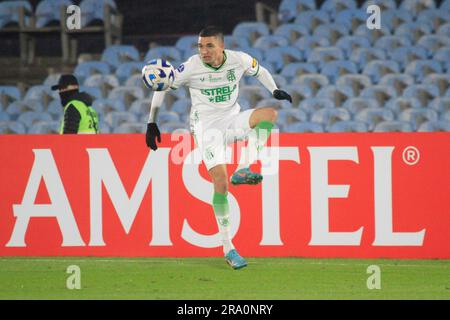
x,y
311,105
289,116
422,92
357,82
319,56
289,9
373,116
51,79
126,94
348,126
414,30
256,53
441,81
434,126
331,31
291,31
141,107
297,69
235,42
399,81
394,126
381,93
383,4
42,93
28,118
390,43
116,118
304,127
416,6
250,30
92,10
131,127
329,116
404,55
348,44
9,94
363,56
400,104
86,69
55,109
298,93
372,35
12,127
308,43
351,18
136,81
445,5
182,108
280,56
104,82
355,105
169,53
45,127
270,41
4,116
444,30
253,93
94,92
332,7
392,19
445,116
335,69
418,116
18,107
273,103
168,116
48,11
116,55
436,17
128,69
434,42
9,12
420,69
186,44
173,126
312,19
440,104
103,106
337,94
313,81
376,69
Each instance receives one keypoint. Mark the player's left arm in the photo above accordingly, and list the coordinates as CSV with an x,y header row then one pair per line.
x,y
253,68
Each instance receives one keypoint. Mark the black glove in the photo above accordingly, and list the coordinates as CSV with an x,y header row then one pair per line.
x,y
151,134
282,95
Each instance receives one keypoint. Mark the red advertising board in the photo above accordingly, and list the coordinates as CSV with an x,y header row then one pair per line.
x,y
362,195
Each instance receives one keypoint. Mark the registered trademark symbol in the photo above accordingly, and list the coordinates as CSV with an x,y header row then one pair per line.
x,y
411,155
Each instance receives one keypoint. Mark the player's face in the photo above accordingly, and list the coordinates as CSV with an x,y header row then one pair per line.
x,y
211,50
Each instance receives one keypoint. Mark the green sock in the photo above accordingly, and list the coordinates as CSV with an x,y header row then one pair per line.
x,y
256,141
221,211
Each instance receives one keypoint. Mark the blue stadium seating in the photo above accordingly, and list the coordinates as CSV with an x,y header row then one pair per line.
x,y
312,19
251,30
289,9
291,31
348,44
348,126
305,127
270,41
373,116
116,55
92,10
9,12
48,11
311,105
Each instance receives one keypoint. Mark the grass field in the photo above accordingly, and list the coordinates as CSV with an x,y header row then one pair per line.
x,y
211,278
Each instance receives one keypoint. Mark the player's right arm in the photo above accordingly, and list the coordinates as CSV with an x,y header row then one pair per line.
x,y
153,134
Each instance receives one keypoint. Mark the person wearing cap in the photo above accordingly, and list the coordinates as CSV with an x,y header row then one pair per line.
x,y
79,116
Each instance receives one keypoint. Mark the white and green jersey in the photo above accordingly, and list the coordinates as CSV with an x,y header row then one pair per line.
x,y
215,89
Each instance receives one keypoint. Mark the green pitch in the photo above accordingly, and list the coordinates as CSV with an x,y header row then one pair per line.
x,y
211,278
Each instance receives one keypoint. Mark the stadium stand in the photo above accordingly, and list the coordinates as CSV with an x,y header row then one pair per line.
x,y
342,76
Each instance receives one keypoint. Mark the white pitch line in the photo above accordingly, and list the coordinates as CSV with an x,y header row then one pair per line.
x,y
182,261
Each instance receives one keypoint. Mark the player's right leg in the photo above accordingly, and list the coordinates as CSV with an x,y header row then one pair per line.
x,y
219,178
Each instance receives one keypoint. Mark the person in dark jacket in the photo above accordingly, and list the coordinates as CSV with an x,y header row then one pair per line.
x,y
79,116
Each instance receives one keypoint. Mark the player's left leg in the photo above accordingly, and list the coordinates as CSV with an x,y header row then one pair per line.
x,y
219,178
261,122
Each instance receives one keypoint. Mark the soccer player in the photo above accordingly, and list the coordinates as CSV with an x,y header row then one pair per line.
x,y
212,77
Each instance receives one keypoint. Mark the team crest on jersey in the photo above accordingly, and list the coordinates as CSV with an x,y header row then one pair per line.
x,y
231,75
180,68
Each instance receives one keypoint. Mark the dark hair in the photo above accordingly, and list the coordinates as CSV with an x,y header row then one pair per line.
x,y
212,31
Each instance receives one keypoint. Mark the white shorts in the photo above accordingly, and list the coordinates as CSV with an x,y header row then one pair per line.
x,y
213,133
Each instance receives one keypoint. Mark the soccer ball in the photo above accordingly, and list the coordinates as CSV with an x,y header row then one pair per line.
x,y
158,74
